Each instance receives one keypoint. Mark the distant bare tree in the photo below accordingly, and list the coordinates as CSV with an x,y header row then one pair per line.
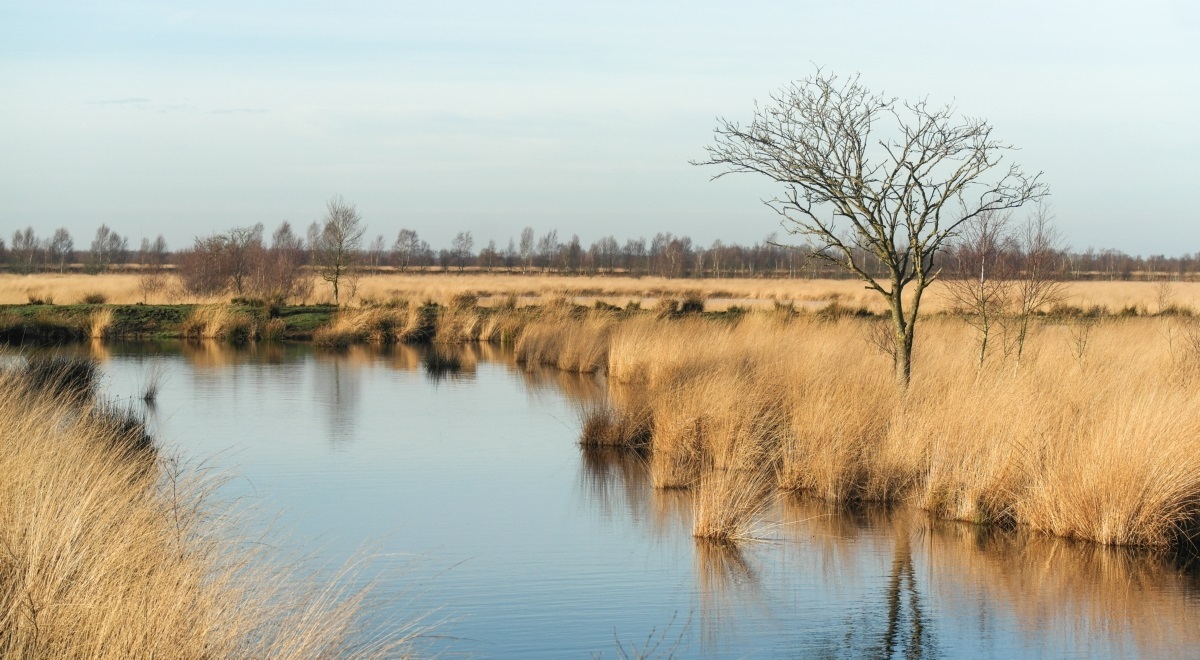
x,y
866,194
375,251
150,282
1040,283
243,251
279,272
335,250
202,267
548,247
406,248
461,248
981,282
61,248
526,249
108,248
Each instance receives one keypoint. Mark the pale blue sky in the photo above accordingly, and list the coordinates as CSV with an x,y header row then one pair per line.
x,y
185,118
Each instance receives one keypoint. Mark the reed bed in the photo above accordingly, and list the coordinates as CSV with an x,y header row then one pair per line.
x,y
378,325
1090,441
109,550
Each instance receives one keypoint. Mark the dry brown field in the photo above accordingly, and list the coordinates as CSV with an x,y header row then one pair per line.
x,y
124,288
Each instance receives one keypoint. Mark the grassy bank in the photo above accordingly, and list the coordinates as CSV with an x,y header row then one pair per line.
x,y
1092,436
108,549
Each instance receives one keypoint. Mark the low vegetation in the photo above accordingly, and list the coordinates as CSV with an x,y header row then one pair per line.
x,y
1086,440
111,550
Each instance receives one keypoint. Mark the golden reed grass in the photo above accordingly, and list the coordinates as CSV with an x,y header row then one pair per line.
x,y
221,322
110,553
1097,441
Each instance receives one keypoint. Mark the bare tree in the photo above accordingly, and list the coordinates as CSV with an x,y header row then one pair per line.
x,y
61,248
158,251
202,267
548,247
1043,266
280,275
335,249
25,248
858,191
461,248
526,249
406,248
242,253
375,251
981,281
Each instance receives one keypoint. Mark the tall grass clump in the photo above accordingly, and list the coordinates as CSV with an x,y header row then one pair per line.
x,y
111,551
730,505
221,322
609,426
100,323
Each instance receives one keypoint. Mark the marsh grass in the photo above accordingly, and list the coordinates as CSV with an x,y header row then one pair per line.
x,y
221,322
1101,448
100,323
608,426
566,343
731,504
111,550
155,375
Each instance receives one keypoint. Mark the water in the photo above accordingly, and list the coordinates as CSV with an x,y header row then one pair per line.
x,y
478,506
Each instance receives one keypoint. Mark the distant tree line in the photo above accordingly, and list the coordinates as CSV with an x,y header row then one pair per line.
x,y
245,261
57,252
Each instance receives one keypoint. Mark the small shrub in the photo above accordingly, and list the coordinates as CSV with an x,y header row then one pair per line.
x,y
93,298
39,298
693,303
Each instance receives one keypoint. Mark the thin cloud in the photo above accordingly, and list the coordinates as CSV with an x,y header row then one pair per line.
x,y
232,111
129,100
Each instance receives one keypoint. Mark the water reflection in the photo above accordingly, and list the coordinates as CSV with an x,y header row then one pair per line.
x,y
595,540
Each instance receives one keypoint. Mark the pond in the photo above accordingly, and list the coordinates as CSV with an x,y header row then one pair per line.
x,y
461,476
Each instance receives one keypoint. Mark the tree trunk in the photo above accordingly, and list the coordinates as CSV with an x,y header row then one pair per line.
x,y
902,354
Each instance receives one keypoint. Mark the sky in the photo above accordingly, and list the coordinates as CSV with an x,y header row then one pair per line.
x,y
485,116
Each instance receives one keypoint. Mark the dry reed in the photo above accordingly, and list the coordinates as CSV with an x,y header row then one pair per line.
x,y
221,322
115,554
1090,441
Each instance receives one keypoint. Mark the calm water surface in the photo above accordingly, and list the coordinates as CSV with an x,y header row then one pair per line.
x,y
473,494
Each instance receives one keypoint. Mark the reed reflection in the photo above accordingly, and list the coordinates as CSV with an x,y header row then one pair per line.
x,y
337,383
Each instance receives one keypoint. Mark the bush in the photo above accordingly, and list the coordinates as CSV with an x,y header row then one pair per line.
x,y
93,298
693,303
40,298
